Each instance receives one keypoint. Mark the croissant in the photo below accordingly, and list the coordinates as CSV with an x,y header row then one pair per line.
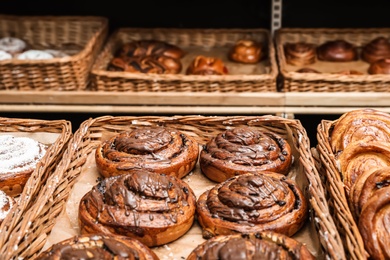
x,y
98,246
153,208
157,149
252,203
242,150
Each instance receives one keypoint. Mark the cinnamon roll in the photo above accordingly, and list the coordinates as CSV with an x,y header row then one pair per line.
x,y
300,53
261,245
364,125
154,208
18,159
203,65
6,204
242,150
246,51
337,51
98,246
380,67
374,223
377,49
156,149
252,203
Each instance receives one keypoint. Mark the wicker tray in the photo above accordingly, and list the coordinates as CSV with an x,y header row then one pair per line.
x,y
260,77
36,227
327,81
348,230
85,35
57,134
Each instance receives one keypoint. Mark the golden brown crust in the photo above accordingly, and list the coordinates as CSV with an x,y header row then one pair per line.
x,y
261,245
252,203
300,53
380,67
246,51
337,51
203,65
377,49
156,149
374,223
242,150
98,246
153,208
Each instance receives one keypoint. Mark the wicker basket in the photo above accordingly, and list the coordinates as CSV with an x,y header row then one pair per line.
x,y
212,42
85,35
329,81
353,242
32,232
60,132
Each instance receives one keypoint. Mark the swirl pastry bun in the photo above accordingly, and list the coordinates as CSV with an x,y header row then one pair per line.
x,y
252,203
242,150
300,53
154,208
18,159
337,51
261,245
203,65
156,149
246,51
6,204
377,49
380,67
12,45
97,246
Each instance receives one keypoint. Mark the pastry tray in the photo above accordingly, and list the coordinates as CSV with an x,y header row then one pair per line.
x,y
77,173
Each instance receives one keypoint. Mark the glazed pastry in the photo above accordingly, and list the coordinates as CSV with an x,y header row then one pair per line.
x,y
12,45
246,51
360,157
144,48
300,53
98,246
18,159
6,204
34,55
242,150
156,149
155,209
338,50
307,70
252,203
377,49
360,125
203,65
374,224
262,245
5,55
380,67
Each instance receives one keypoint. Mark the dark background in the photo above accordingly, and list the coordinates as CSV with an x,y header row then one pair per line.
x,y
209,14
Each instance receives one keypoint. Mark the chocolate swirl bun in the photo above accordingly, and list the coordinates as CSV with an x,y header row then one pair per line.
x,y
155,209
156,149
252,203
144,48
374,224
300,53
262,245
338,51
246,51
377,49
6,204
242,150
380,67
98,246
203,65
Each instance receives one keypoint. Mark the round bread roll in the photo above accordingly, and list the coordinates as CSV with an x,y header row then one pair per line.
x,y
300,53
377,49
246,51
337,51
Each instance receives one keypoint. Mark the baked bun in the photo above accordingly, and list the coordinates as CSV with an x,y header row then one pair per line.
x,y
12,45
97,246
261,245
300,53
203,65
18,159
144,48
380,67
377,49
156,149
246,51
307,70
252,203
6,204
337,51
155,209
242,150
